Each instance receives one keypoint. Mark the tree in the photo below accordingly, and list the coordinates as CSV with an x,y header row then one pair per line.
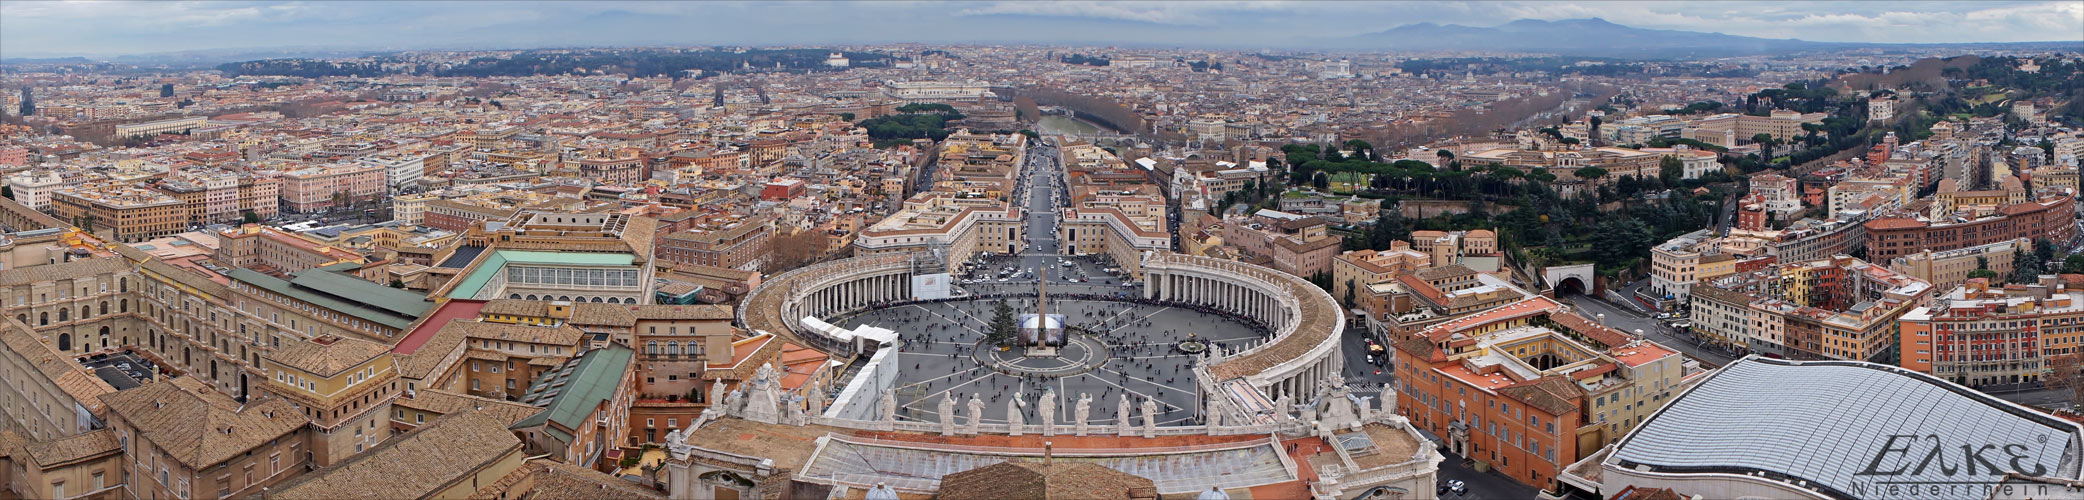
x,y
846,117
249,217
796,250
1765,146
1670,170
1983,273
7,192
2073,264
1002,329
2066,373
1388,229
1589,173
2025,268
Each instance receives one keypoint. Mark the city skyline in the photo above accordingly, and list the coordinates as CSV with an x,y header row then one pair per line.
x,y
101,29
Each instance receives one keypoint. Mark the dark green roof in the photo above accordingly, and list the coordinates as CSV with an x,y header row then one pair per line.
x,y
347,294
575,388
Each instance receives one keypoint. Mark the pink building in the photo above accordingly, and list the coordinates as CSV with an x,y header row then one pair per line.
x,y
311,189
14,157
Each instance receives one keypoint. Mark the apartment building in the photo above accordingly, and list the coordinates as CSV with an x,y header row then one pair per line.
x,y
319,188
2050,217
87,466
1949,269
621,167
961,224
1361,268
33,187
183,439
585,405
156,127
49,395
1286,242
345,386
1978,335
121,212
715,240
1840,308
1527,388
272,251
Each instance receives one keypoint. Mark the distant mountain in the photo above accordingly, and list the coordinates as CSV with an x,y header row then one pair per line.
x,y
1574,37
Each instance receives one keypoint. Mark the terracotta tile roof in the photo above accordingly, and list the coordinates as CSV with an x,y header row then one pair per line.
x,y
326,359
199,426
448,403
512,307
1038,480
417,465
1555,395
1607,337
56,366
65,450
63,270
562,335
549,480
1445,272
681,312
592,314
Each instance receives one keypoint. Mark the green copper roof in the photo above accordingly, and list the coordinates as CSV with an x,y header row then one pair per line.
x,y
325,287
496,261
572,391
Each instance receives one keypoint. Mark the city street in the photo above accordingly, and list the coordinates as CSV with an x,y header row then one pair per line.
x,y
1481,485
1628,320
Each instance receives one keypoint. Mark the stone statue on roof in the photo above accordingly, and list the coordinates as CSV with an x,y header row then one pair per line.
x,y
1014,416
792,411
976,414
763,399
732,401
947,410
1046,411
1281,406
1121,415
1389,399
1214,414
817,399
1150,417
889,407
676,443
1082,411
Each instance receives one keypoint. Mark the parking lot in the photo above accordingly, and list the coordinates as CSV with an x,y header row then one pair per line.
x,y
120,370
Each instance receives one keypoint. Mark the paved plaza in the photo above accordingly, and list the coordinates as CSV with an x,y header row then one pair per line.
x,y
1136,354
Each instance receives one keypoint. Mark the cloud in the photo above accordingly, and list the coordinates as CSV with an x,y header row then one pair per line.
x,y
1171,13
44,28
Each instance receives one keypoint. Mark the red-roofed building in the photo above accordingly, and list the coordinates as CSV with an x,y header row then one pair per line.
x,y
1529,388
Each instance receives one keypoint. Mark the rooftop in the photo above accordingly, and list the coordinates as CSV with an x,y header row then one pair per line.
x,y
331,289
1824,422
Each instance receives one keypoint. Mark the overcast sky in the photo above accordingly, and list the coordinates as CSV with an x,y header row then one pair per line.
x,y
62,28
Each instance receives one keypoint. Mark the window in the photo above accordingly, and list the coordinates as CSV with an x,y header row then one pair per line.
x,y
58,489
